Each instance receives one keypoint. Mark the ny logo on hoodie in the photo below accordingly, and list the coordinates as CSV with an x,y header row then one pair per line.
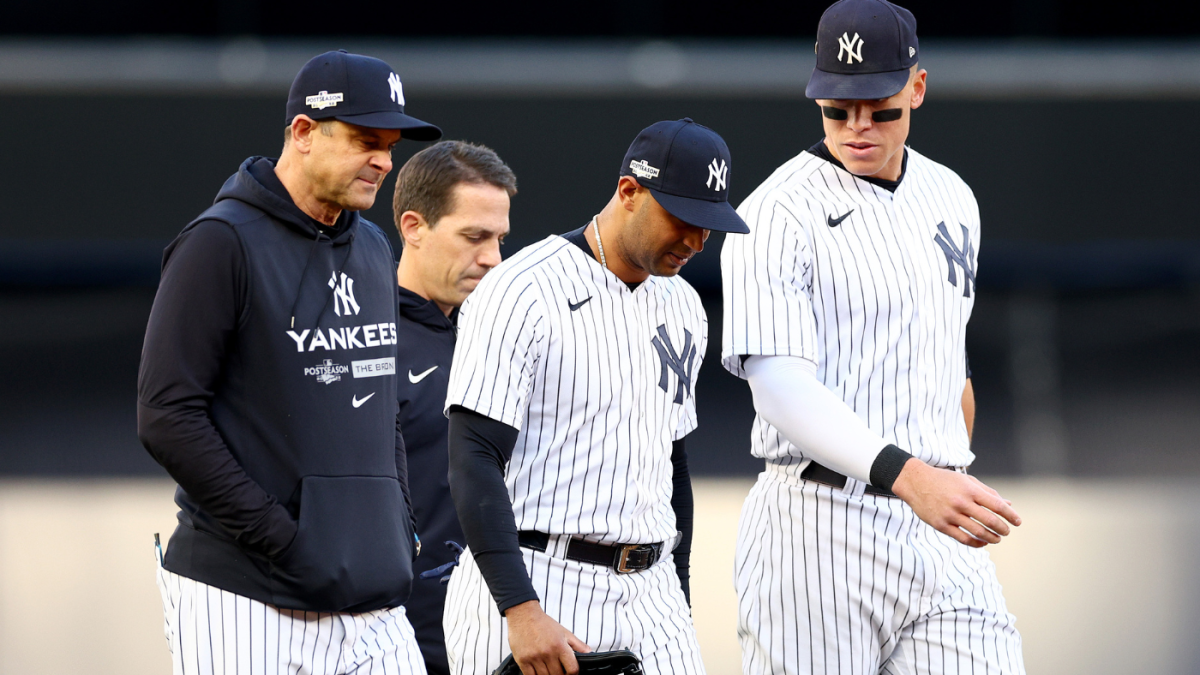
x,y
343,295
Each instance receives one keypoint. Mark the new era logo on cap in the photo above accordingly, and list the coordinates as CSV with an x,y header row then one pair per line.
x,y
685,166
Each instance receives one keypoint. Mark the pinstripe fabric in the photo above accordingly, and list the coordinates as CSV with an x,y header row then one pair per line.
x,y
595,403
868,301
833,583
214,632
643,612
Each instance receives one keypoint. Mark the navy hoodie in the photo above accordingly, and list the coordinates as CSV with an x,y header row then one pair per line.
x,y
267,389
427,339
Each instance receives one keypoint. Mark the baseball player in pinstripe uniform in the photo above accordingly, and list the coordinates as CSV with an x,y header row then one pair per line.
x,y
860,547
571,392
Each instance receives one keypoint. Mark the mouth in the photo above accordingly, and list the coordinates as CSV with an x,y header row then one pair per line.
x,y
678,260
859,148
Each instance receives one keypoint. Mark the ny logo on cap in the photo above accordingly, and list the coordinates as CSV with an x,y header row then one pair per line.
x,y
721,173
846,45
398,90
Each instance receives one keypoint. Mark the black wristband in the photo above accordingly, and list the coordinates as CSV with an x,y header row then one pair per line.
x,y
887,465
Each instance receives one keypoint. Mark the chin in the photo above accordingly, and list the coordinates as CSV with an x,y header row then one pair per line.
x,y
864,168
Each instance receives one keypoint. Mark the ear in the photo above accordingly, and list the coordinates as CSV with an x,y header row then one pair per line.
x,y
303,128
412,228
918,92
627,189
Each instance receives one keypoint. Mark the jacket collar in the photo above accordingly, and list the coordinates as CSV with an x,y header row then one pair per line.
x,y
425,312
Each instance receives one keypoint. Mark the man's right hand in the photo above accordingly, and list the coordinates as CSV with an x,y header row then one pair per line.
x,y
540,645
949,500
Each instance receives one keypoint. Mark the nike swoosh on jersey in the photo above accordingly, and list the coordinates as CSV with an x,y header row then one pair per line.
x,y
417,378
576,305
834,222
356,403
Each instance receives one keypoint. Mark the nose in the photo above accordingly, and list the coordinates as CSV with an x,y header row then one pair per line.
x,y
381,162
694,238
489,256
859,117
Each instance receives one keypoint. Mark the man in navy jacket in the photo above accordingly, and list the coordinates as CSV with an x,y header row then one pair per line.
x,y
267,390
451,209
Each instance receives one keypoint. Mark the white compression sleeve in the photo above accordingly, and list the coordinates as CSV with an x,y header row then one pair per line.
x,y
788,395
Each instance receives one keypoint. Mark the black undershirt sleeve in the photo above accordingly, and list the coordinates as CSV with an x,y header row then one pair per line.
x,y
480,448
683,505
192,323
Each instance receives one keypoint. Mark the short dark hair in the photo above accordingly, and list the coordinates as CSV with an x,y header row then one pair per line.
x,y
425,184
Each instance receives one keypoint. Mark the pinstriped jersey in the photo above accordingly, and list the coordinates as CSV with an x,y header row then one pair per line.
x,y
874,287
598,379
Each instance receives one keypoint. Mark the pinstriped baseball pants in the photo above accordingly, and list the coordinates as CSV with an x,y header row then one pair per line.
x,y
645,613
832,581
214,632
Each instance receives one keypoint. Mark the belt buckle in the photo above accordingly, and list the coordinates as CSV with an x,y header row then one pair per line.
x,y
623,558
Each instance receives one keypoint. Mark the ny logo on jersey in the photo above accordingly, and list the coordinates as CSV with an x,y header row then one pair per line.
x,y
846,45
681,364
721,173
964,257
343,295
397,89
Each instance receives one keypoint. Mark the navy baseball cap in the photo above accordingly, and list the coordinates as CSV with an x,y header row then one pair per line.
x,y
356,89
686,167
865,49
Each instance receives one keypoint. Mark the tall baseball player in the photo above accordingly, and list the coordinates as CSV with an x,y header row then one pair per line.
x,y
451,209
267,390
860,546
571,392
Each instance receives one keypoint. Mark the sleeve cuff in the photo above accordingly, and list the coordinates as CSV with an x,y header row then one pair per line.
x,y
271,534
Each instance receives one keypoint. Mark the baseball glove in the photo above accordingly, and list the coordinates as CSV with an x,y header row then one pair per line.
x,y
618,662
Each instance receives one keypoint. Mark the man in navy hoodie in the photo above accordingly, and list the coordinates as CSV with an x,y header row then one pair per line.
x,y
451,209
267,390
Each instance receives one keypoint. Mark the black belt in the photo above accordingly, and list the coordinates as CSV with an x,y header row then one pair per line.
x,y
822,474
624,558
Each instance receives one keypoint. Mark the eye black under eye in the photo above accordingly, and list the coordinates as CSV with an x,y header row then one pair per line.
x,y
833,113
886,115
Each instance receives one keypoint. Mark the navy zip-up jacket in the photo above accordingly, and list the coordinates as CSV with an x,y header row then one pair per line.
x,y
267,390
427,338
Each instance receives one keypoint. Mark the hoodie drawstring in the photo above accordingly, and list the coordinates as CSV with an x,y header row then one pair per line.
x,y
333,288
296,301
332,284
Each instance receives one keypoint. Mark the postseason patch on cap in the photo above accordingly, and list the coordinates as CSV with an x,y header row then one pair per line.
x,y
642,169
324,100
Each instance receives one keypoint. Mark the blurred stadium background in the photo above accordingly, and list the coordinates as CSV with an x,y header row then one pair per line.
x,y
1075,126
